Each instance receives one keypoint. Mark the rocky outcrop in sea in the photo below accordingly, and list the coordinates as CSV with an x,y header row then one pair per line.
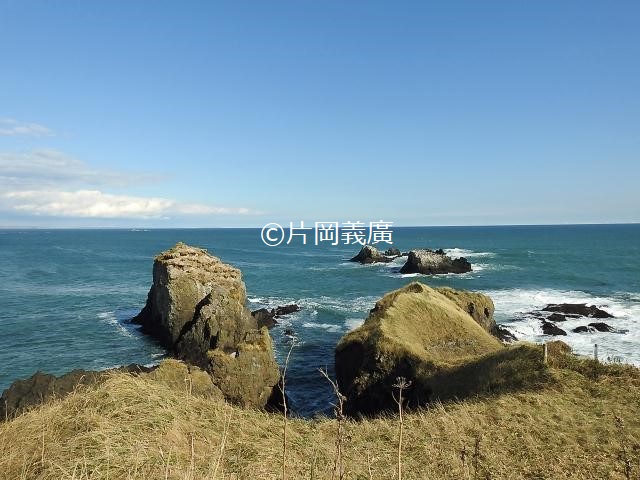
x,y
430,262
577,310
370,254
197,308
269,318
553,315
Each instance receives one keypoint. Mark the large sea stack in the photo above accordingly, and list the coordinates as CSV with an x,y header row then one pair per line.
x,y
196,307
441,340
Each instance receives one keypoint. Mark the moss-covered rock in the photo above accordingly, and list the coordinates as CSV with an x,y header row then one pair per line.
x,y
429,337
220,321
181,376
478,305
249,374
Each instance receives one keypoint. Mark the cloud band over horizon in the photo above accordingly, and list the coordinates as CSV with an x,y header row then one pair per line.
x,y
50,183
97,204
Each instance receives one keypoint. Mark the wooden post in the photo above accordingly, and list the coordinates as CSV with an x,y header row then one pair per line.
x,y
545,353
595,352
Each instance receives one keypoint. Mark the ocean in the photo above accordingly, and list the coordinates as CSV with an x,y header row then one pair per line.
x,y
66,296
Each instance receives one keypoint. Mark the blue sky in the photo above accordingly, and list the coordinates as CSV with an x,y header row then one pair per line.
x,y
242,113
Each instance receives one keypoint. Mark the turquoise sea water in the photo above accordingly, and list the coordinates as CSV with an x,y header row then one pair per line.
x,y
66,295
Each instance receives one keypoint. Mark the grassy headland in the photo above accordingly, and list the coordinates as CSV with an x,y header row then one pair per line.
x,y
584,424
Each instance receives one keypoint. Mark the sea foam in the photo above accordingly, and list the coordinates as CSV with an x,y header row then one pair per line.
x,y
514,305
462,252
111,319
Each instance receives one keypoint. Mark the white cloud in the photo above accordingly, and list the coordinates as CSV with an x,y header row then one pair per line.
x,y
202,209
51,183
10,127
97,204
40,168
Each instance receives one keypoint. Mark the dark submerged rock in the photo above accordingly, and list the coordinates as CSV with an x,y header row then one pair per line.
x,y
505,335
579,309
582,329
267,318
392,252
549,328
286,310
602,327
556,317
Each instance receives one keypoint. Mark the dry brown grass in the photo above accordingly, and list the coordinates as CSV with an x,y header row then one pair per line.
x,y
139,428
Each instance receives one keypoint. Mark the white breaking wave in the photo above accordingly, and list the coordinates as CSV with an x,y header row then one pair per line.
x,y
310,306
352,323
313,310
492,267
349,324
436,275
325,326
349,264
462,252
110,318
513,305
